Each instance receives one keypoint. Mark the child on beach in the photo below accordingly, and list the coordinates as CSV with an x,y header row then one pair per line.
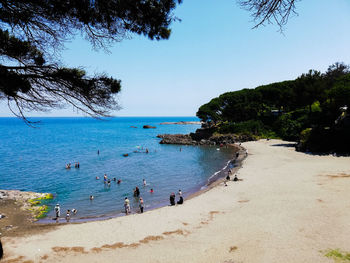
x,y
141,205
68,215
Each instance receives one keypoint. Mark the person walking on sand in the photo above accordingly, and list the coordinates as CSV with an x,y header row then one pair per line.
x,y
127,205
141,205
57,211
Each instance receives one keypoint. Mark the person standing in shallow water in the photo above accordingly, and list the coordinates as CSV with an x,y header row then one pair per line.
x,y
141,205
127,205
68,215
57,211
137,192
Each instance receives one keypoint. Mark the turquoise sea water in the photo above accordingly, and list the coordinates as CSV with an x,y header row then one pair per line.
x,y
34,159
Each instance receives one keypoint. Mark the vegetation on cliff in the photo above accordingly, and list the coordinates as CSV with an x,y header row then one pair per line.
x,y
311,109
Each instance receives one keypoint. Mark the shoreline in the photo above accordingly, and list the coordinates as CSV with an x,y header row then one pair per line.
x,y
289,207
196,191
48,222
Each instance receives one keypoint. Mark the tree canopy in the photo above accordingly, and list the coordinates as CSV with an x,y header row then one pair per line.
x,y
315,101
32,32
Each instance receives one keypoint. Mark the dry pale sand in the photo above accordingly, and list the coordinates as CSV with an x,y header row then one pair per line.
x,y
290,207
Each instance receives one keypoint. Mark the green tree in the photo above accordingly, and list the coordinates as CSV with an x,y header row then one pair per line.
x,y
32,32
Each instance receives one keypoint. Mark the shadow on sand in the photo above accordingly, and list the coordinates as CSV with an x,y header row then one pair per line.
x,y
292,144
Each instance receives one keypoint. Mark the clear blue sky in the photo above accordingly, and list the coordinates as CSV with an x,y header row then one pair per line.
x,y
211,51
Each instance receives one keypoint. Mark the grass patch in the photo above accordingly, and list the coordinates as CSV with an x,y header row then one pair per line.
x,y
338,256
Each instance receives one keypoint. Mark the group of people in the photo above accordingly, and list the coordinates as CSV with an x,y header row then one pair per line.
x,y
76,165
107,181
68,213
172,198
127,205
228,178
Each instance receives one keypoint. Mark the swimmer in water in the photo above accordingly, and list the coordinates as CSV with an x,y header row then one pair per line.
x,y
91,197
97,178
151,191
119,181
144,182
105,178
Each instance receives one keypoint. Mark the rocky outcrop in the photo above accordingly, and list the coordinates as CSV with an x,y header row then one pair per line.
x,y
181,122
30,201
149,127
183,139
189,139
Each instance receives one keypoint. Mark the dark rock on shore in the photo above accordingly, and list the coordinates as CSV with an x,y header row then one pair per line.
x,y
204,136
184,139
181,122
149,127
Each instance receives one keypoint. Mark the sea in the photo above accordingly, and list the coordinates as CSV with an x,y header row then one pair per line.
x,y
35,158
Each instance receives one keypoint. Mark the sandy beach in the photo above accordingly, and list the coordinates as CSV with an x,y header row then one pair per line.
x,y
289,207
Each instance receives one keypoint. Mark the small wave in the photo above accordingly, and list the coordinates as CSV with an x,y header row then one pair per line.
x,y
220,171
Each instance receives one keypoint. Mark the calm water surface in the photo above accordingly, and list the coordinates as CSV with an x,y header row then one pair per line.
x,y
33,159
